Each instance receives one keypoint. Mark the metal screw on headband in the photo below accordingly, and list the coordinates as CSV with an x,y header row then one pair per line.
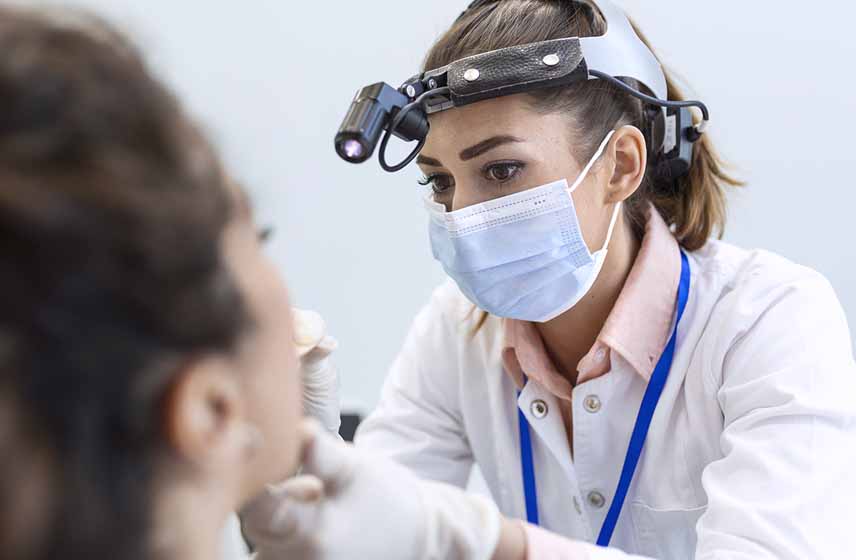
x,y
396,122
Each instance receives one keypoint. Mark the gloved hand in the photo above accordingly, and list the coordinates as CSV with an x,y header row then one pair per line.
x,y
320,382
350,505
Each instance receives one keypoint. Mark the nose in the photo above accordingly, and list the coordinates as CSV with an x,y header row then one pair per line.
x,y
467,195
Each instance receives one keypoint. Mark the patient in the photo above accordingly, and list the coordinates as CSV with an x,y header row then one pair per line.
x,y
148,385
149,382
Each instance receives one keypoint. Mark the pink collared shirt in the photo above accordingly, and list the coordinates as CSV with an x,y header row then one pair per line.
x,y
637,328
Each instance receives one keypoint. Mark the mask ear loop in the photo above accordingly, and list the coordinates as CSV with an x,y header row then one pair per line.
x,y
591,162
612,223
584,174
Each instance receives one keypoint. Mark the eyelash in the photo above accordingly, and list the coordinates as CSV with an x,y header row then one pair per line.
x,y
432,180
518,166
265,234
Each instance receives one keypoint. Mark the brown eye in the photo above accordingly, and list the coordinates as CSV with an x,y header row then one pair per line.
x,y
440,183
502,172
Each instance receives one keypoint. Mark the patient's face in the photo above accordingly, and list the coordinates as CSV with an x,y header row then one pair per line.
x,y
267,359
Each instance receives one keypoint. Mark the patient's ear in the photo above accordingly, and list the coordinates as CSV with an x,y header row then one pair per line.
x,y
203,415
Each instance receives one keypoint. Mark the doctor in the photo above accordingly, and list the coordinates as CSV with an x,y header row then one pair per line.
x,y
618,377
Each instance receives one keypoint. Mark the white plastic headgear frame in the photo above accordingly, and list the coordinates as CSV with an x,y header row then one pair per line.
x,y
620,52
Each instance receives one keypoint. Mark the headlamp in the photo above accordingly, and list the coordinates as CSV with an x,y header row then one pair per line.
x,y
619,57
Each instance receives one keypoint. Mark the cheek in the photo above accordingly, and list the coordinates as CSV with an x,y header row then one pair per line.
x,y
283,399
276,390
267,360
275,407
589,213
285,413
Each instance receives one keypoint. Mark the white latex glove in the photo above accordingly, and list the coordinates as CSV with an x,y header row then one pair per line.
x,y
320,382
347,504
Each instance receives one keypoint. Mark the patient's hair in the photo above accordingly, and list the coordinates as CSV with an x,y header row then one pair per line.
x,y
112,209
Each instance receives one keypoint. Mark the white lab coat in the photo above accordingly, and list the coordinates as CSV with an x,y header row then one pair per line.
x,y
751,452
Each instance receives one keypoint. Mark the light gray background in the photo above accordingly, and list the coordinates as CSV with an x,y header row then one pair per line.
x,y
272,79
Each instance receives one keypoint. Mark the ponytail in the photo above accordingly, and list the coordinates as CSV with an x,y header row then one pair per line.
x,y
695,204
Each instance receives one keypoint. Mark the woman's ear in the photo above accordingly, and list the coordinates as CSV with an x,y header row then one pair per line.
x,y
630,154
203,416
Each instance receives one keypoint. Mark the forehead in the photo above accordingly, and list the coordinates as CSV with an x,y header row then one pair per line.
x,y
513,115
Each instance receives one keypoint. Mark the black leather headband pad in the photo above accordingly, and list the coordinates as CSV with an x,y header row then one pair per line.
x,y
516,70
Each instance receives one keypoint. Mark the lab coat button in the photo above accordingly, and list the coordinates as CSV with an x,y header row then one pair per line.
x,y
592,404
539,409
596,500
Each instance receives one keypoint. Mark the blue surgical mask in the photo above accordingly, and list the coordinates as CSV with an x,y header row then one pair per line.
x,y
521,256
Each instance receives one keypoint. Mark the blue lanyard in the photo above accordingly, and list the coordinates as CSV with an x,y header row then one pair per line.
x,y
637,439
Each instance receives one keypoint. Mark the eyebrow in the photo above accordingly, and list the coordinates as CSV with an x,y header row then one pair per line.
x,y
473,151
486,146
429,161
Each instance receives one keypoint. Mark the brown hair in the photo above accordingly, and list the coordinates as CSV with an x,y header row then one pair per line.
x,y
112,208
694,205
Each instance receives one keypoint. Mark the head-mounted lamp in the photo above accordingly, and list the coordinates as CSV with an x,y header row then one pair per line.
x,y
380,111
